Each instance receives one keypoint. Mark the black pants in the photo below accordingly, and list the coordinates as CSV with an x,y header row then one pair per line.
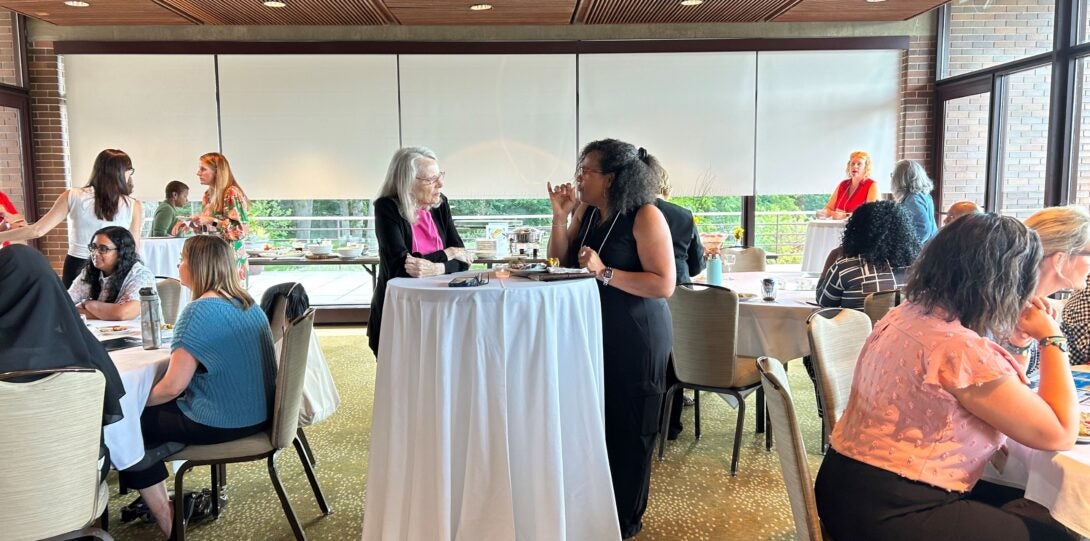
x,y
631,431
857,501
72,267
166,423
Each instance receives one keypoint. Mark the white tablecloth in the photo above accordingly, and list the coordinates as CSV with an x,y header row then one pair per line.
x,y
139,369
821,237
162,254
1058,481
776,329
489,414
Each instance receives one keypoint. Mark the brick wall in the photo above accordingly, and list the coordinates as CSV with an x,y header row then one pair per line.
x,y
1006,30
917,100
49,129
1082,135
11,159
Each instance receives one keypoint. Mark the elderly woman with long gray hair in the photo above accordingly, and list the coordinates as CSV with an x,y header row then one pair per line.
x,y
415,231
912,191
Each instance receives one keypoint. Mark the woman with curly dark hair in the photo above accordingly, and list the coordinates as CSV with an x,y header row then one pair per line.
x,y
618,234
109,286
878,247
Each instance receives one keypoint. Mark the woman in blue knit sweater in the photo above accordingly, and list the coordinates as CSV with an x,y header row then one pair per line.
x,y
219,384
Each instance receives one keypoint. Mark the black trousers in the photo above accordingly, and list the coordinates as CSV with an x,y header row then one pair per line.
x,y
631,431
857,501
166,423
72,267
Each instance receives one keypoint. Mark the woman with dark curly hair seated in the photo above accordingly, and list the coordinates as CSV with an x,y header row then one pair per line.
x,y
109,286
877,249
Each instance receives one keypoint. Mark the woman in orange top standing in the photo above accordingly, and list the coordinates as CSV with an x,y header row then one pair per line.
x,y
853,191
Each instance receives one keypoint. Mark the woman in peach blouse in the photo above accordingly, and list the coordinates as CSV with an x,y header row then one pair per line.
x,y
853,191
933,398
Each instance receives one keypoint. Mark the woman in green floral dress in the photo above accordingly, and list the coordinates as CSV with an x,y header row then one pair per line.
x,y
225,206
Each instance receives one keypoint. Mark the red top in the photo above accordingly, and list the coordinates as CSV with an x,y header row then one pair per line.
x,y
6,203
850,203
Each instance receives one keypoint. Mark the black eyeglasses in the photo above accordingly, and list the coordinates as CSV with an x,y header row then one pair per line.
x,y
131,171
100,248
469,281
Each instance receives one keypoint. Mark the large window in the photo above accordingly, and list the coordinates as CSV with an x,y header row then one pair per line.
x,y
1081,146
982,34
965,149
1025,141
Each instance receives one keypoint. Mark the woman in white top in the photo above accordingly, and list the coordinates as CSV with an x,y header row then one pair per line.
x,y
104,201
109,286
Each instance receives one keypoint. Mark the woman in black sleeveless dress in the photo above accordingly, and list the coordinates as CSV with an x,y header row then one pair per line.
x,y
619,234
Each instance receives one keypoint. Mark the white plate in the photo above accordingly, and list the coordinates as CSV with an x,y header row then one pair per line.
x,y
115,330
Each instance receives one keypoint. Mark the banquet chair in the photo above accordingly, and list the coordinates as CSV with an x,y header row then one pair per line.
x,y
836,337
791,449
705,324
878,303
750,259
170,295
278,323
50,458
263,445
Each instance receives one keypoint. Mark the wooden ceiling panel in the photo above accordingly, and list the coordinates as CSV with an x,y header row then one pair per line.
x,y
100,12
671,11
856,10
457,12
297,12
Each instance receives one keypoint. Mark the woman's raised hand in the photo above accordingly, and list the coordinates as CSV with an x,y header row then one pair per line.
x,y
563,198
1038,319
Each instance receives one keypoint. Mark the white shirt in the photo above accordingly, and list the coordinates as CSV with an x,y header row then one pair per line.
x,y
82,222
139,276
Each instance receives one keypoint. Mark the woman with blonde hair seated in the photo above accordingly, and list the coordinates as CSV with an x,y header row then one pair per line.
x,y
853,191
219,384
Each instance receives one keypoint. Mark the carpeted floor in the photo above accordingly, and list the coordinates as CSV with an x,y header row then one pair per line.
x,y
693,496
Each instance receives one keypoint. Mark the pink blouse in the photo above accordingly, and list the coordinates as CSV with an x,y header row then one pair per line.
x,y
901,417
425,235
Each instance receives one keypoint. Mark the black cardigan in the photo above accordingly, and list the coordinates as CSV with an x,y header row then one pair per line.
x,y
688,250
395,239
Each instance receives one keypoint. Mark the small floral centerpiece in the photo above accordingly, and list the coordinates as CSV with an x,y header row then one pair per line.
x,y
738,234
713,242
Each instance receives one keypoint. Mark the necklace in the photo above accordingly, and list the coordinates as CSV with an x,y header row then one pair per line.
x,y
590,223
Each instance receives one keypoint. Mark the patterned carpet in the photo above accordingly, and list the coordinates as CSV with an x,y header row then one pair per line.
x,y
693,496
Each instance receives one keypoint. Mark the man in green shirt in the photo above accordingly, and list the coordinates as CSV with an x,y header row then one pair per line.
x,y
166,215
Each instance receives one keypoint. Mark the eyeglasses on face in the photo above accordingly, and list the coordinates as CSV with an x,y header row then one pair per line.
x,y
582,170
100,248
432,180
131,171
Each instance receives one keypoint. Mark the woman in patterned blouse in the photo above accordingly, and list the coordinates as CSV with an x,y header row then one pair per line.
x,y
877,249
225,205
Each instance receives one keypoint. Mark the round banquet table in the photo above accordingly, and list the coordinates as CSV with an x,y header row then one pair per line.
x,y
777,328
162,254
821,237
489,414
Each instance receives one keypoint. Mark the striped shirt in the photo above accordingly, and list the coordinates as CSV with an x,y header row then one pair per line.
x,y
851,279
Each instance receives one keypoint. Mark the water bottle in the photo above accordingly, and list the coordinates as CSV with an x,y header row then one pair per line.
x,y
715,270
150,318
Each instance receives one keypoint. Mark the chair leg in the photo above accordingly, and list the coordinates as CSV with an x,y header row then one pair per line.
x,y
302,436
696,413
178,529
215,491
738,433
665,425
309,469
760,410
274,476
824,437
768,426
104,519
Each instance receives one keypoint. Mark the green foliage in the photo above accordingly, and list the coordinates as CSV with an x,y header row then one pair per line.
x,y
269,229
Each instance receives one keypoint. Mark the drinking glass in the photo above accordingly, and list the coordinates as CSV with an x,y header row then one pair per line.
x,y
728,260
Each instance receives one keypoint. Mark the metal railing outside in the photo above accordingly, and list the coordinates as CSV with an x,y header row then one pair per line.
x,y
782,232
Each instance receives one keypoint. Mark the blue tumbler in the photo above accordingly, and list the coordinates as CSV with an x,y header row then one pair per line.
x,y
715,270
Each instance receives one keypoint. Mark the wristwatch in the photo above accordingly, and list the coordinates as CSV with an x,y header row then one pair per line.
x,y
1059,341
606,276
